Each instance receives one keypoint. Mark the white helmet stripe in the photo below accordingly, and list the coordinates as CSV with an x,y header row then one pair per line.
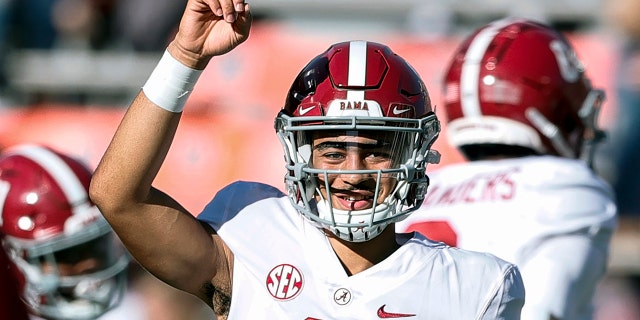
x,y
357,68
470,75
58,169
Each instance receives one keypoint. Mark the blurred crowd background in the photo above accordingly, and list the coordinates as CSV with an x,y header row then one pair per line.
x,y
68,69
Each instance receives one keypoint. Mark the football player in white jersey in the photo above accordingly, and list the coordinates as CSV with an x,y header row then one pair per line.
x,y
522,111
356,129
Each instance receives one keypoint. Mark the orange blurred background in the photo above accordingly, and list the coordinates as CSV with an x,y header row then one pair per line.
x,y
227,134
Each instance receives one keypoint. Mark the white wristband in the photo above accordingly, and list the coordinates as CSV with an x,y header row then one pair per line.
x,y
170,83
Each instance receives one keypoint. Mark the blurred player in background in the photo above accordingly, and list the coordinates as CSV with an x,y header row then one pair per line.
x,y
522,111
66,258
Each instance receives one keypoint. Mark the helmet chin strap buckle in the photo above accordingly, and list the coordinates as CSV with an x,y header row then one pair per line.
x,y
421,190
433,156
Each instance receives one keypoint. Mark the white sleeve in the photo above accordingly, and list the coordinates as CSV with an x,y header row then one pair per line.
x,y
506,303
561,275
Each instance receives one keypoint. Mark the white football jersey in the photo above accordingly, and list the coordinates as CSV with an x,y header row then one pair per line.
x,y
285,268
552,217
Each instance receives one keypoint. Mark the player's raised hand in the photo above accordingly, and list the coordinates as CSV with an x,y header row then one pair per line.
x,y
209,28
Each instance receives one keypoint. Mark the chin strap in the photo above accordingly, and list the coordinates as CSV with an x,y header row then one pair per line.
x,y
550,131
588,114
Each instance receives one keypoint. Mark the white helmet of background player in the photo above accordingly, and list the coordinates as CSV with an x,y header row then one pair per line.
x,y
69,264
519,83
361,87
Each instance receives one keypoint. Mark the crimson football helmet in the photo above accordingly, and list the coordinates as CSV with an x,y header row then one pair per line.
x,y
517,82
68,261
361,87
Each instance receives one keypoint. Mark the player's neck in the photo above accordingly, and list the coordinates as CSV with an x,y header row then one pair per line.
x,y
359,256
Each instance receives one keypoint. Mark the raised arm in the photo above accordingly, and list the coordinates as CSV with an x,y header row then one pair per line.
x,y
161,234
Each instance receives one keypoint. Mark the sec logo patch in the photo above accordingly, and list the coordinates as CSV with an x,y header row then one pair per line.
x,y
284,282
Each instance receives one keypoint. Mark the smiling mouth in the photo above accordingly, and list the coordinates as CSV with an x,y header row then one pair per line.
x,y
354,197
355,202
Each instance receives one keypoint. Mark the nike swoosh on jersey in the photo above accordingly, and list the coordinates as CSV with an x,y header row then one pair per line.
x,y
388,315
397,111
303,111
